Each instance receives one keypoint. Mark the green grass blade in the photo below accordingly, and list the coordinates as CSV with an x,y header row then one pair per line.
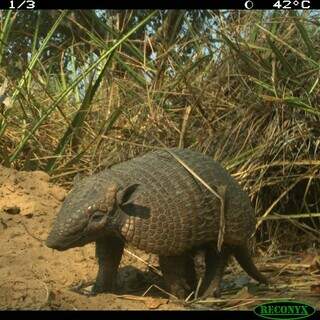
x,y
31,65
65,93
286,65
5,30
77,122
297,52
305,37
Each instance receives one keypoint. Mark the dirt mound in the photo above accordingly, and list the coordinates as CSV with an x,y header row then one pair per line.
x,y
28,193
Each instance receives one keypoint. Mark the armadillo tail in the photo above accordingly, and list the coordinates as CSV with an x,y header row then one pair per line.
x,y
244,258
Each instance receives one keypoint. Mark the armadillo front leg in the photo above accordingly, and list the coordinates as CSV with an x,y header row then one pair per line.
x,y
108,252
191,276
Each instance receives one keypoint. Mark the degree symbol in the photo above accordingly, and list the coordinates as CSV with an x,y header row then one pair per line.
x,y
248,4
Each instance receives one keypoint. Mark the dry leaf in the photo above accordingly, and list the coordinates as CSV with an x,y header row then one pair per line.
x,y
155,303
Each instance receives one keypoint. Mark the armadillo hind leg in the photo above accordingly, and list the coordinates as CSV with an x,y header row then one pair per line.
x,y
109,251
178,273
218,262
211,257
244,258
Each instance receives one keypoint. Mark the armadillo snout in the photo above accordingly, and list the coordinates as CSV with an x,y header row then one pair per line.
x,y
60,237
53,245
54,241
63,237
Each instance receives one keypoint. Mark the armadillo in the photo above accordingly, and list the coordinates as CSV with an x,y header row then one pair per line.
x,y
156,204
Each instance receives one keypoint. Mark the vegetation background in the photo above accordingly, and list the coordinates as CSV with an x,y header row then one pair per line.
x,y
84,89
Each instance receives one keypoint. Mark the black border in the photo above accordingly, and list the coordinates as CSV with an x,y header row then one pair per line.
x,y
152,315
145,4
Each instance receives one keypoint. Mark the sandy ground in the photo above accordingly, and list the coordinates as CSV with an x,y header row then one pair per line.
x,y
33,276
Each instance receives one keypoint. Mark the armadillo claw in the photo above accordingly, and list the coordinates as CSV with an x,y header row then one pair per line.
x,y
83,288
101,288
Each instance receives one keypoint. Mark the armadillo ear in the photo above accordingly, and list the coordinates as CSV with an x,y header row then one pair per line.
x,y
124,195
110,197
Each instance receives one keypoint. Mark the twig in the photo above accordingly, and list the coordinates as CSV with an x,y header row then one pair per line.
x,y
189,296
47,294
222,223
275,202
30,234
160,289
238,299
184,125
239,305
145,262
198,288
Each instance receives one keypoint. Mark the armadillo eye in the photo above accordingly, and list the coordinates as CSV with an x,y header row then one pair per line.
x,y
97,216
103,207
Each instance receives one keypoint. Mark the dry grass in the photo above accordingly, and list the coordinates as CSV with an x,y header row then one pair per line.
x,y
245,91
